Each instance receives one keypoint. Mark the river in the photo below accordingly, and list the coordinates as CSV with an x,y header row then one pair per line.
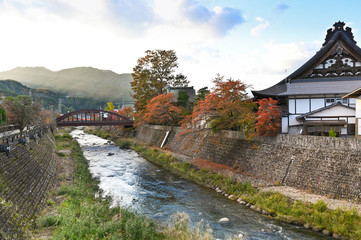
x,y
138,184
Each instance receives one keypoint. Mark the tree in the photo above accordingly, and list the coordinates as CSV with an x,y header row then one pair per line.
x,y
227,107
183,99
127,112
152,74
2,116
268,117
109,107
21,111
201,94
161,110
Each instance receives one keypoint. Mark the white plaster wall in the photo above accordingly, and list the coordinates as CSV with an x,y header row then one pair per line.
x,y
293,121
317,103
352,102
291,106
336,111
358,107
344,131
284,124
302,105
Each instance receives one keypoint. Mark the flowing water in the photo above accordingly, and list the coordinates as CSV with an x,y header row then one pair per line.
x,y
140,185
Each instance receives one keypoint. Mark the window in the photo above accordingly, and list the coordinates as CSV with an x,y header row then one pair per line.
x,y
342,100
330,100
334,100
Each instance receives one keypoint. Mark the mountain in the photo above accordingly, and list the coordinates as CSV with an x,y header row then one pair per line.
x,y
49,99
81,81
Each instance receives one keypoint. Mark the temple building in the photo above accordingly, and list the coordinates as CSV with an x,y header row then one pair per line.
x,y
311,97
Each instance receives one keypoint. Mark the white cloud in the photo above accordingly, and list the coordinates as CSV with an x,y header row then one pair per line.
x,y
263,24
217,21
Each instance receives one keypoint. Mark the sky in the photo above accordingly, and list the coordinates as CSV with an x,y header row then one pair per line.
x,y
259,42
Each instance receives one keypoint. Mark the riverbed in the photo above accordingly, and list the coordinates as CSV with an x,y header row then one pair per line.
x,y
135,183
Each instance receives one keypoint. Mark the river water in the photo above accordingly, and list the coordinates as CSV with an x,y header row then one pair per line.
x,y
138,184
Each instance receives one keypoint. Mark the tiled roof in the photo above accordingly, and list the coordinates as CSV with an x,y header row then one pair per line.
x,y
313,88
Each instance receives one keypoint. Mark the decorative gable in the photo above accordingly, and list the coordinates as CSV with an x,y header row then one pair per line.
x,y
339,63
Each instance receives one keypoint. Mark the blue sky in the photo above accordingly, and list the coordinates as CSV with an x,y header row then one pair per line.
x,y
258,41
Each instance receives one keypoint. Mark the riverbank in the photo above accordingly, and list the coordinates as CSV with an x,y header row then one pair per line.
x,y
278,206
77,210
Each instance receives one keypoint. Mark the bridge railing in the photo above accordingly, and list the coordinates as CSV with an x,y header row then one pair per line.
x,y
93,117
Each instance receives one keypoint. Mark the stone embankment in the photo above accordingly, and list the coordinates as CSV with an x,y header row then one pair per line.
x,y
27,173
322,165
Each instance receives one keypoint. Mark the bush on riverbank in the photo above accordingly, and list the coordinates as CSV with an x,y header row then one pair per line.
x,y
317,216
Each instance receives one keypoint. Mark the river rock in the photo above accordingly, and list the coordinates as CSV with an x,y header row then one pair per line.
x,y
110,154
232,197
336,236
315,229
307,225
326,232
223,220
264,212
158,215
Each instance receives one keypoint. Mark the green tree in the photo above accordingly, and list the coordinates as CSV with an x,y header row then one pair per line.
x,y
183,99
2,116
109,107
21,111
153,73
201,94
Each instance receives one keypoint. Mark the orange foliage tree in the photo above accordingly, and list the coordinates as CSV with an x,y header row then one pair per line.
x,y
127,112
160,110
227,107
268,117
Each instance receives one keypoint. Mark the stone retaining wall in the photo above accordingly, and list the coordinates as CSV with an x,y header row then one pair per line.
x,y
26,175
323,165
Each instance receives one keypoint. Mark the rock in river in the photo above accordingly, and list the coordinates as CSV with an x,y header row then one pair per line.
x,y
223,220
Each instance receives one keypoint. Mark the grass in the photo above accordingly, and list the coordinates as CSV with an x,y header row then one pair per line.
x,y
340,222
83,216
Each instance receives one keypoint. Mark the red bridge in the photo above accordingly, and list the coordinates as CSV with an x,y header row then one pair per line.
x,y
93,117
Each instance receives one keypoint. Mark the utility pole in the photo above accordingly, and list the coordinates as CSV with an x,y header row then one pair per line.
x,y
59,106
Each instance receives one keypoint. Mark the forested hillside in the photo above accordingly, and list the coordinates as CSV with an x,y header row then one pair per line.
x,y
78,82
49,99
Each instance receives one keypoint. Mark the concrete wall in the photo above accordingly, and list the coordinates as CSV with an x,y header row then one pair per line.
x,y
324,165
26,175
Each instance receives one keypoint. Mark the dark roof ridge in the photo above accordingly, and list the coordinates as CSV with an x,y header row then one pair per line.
x,y
338,27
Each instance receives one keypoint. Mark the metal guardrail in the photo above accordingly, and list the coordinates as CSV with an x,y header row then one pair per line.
x,y
11,138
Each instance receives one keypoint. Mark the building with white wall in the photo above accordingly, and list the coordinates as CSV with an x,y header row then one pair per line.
x,y
311,97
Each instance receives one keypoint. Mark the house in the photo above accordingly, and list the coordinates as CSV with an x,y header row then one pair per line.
x,y
311,97
356,94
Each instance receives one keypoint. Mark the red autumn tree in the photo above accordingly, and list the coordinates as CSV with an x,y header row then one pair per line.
x,y
268,117
160,110
127,112
227,107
